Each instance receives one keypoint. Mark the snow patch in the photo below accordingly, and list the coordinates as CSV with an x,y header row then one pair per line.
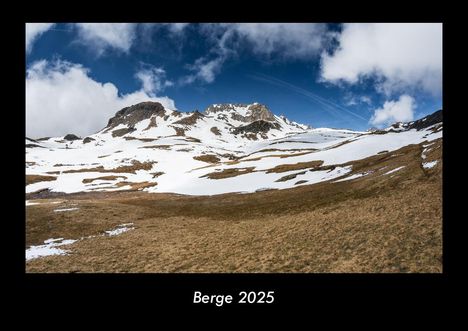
x,y
429,165
120,229
49,248
65,209
393,170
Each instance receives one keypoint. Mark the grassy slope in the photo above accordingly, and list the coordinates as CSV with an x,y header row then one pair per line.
x,y
373,224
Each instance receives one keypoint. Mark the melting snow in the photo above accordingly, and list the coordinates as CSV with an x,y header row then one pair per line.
x,y
49,248
393,170
429,165
65,209
120,229
362,174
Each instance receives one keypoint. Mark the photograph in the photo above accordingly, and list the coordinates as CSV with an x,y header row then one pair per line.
x,y
239,148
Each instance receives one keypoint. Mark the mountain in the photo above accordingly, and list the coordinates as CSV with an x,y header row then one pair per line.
x,y
226,148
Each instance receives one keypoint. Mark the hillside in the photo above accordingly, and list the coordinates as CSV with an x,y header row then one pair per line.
x,y
313,199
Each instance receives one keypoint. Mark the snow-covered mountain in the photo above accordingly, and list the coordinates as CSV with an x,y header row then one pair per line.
x,y
226,148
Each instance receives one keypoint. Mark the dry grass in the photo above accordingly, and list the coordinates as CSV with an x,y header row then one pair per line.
x,y
281,156
295,166
209,158
165,147
136,165
377,223
289,177
228,173
31,179
90,180
137,186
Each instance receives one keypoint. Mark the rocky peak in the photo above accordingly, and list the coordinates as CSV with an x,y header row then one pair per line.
x,y
260,112
136,113
242,112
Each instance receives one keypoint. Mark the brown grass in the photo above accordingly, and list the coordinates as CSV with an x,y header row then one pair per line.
x,y
165,147
137,186
374,224
136,165
289,177
209,158
90,180
295,166
31,179
227,173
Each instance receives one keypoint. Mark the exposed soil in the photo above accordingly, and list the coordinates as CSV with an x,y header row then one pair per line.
x,y
227,173
136,165
295,166
31,179
90,180
209,158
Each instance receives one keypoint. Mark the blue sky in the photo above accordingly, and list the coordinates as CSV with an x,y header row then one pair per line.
x,y
326,75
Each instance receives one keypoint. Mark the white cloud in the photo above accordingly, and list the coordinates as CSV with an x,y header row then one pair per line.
x,y
401,110
286,40
33,31
399,55
61,98
104,36
153,79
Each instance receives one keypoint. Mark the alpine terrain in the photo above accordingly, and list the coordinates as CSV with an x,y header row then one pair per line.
x,y
234,188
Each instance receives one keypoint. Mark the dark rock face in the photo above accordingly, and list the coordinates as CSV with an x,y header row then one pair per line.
x,y
256,127
71,137
427,121
136,113
88,140
121,132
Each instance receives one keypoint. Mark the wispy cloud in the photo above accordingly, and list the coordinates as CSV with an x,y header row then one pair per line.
x,y
326,104
101,37
153,79
34,31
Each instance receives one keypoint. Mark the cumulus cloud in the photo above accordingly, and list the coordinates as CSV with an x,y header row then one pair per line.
x,y
401,110
33,31
398,55
153,79
101,37
62,98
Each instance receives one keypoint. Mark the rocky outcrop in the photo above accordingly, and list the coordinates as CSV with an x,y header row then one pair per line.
x,y
88,140
255,112
427,121
71,137
256,127
136,113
